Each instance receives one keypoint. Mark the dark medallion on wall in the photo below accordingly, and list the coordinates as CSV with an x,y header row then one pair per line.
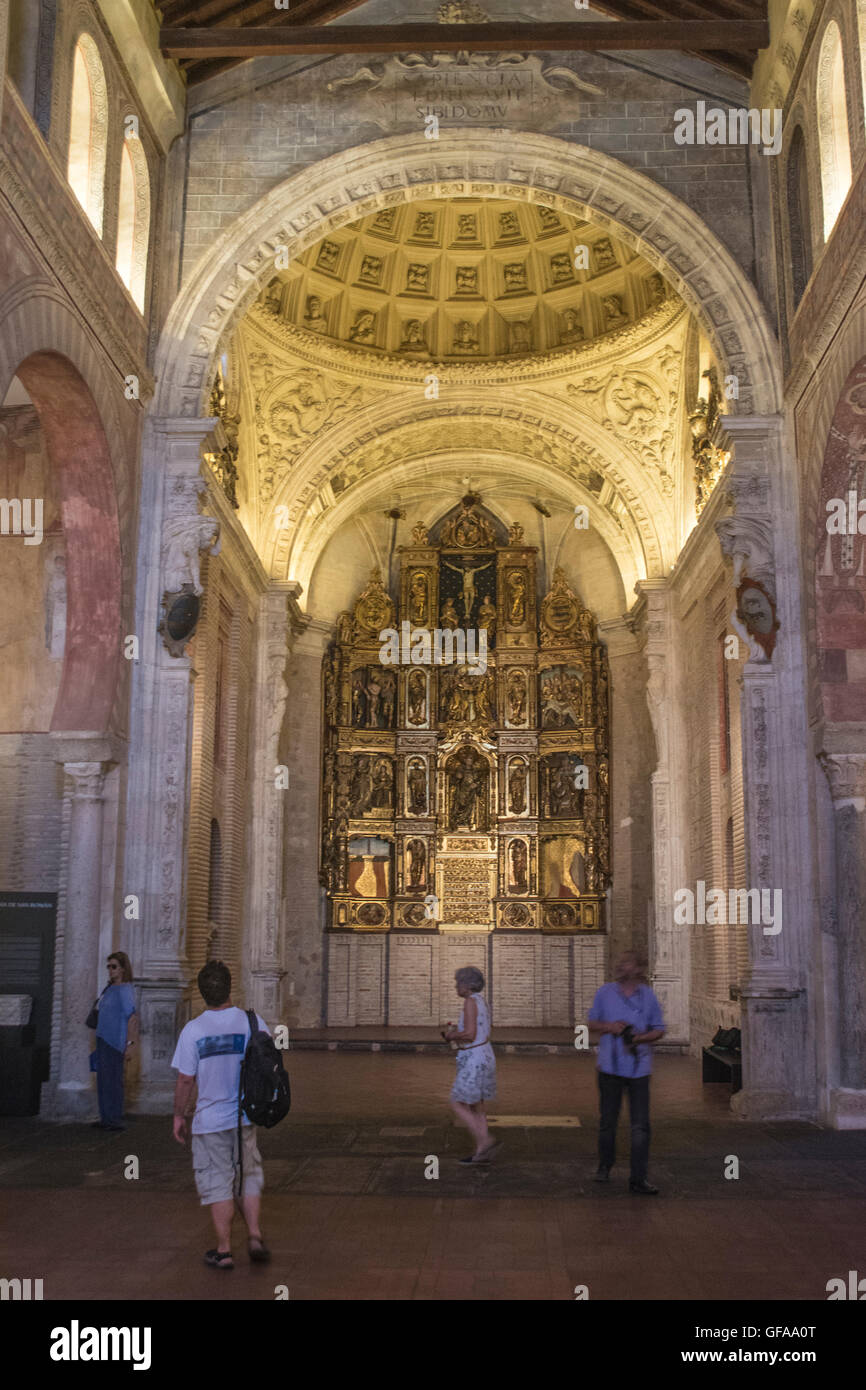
x,y
182,613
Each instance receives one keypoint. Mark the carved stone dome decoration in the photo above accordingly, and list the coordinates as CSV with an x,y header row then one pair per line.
x,y
465,279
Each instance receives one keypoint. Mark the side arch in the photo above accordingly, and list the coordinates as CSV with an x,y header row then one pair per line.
x,y
77,422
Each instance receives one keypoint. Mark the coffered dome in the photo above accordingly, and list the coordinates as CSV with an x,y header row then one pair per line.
x,y
465,278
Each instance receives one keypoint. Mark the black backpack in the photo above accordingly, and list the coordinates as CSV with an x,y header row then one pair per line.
x,y
264,1094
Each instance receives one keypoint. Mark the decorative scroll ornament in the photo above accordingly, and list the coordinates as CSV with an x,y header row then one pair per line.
x,y
710,461
636,405
388,92
223,461
419,534
515,533
560,612
374,609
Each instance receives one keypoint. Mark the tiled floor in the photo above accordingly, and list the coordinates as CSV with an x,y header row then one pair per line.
x,y
350,1213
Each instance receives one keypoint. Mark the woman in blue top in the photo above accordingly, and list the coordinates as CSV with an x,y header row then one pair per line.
x,y
116,1036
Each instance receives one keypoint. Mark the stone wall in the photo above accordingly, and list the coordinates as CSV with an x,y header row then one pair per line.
x,y
254,127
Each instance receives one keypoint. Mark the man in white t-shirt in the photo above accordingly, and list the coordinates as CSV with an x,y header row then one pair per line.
x,y
209,1052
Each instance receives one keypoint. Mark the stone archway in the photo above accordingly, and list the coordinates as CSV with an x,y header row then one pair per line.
x,y
489,164
78,451
478,163
44,347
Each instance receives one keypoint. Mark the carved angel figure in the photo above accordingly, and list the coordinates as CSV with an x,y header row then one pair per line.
x,y
182,544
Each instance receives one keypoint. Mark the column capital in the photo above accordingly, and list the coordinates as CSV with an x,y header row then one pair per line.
x,y
846,773
88,780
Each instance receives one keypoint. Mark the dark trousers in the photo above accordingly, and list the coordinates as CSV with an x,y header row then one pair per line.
x,y
610,1089
109,1082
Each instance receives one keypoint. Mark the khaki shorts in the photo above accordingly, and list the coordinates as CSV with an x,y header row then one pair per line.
x,y
215,1165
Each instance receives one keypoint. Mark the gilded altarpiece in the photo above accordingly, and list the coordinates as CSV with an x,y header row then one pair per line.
x,y
466,776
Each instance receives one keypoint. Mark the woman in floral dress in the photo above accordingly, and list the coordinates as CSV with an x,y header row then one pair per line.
x,y
476,1064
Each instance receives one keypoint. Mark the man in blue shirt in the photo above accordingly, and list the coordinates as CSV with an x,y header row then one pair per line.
x,y
627,1017
208,1056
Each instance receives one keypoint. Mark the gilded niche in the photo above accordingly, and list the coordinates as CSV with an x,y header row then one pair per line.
x,y
458,771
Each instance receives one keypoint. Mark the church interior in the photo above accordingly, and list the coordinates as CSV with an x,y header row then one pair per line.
x,y
431,511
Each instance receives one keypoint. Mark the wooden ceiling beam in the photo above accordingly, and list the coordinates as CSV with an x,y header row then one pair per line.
x,y
255,42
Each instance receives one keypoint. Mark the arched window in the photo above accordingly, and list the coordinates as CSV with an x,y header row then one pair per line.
x,y
799,218
833,126
133,219
88,129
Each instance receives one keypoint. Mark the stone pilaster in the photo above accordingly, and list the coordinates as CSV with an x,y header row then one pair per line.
x,y
280,621
158,800
761,539
846,774
669,943
303,896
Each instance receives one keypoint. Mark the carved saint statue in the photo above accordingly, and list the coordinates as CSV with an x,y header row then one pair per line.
x,y
572,329
517,786
614,314
467,777
516,584
383,785
417,863
515,693
416,695
413,337
449,617
517,855
465,338
487,617
314,319
418,599
416,785
361,790
362,329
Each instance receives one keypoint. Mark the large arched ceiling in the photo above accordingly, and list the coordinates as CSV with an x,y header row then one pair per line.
x,y
593,415
464,279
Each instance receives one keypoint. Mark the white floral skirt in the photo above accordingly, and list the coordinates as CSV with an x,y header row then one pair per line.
x,y
476,1075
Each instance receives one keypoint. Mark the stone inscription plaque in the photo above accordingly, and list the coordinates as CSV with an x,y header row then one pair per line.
x,y
466,890
464,89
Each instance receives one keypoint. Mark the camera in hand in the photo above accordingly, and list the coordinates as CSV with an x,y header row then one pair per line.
x,y
628,1039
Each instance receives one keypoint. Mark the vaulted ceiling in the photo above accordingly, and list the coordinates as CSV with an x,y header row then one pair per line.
x,y
231,14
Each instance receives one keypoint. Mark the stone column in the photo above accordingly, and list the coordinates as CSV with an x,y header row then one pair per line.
x,y
303,895
669,943
761,538
846,773
171,535
280,621
70,1092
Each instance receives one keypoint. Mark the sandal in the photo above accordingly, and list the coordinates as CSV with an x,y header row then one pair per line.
x,y
487,1154
219,1259
258,1251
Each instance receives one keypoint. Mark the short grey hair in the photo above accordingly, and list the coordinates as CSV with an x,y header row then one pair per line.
x,y
470,975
